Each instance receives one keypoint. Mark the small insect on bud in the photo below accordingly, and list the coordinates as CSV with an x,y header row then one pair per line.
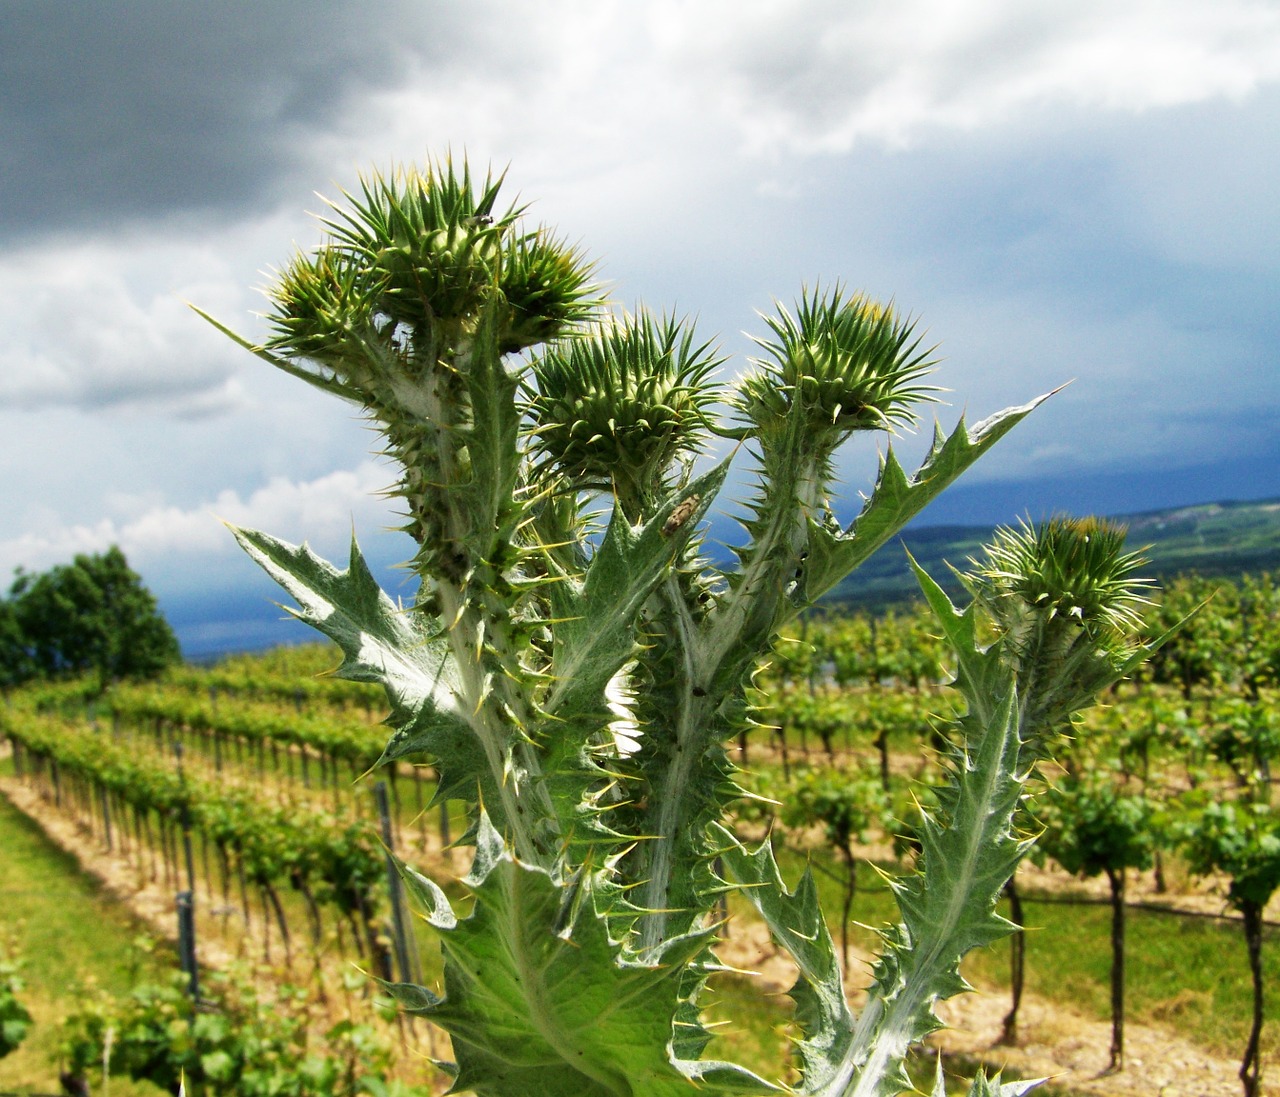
x,y
681,515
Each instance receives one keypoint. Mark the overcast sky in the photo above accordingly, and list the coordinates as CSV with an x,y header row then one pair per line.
x,y
1082,190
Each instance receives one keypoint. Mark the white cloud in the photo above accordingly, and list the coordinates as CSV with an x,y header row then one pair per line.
x,y
155,536
102,324
711,155
624,121
823,75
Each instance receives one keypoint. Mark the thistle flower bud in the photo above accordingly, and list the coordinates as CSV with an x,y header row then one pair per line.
x,y
1067,606
431,238
840,364
325,311
546,287
1074,570
387,304
618,409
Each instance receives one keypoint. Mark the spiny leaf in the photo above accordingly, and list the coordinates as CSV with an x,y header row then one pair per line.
x,y
595,626
540,1001
796,923
948,908
382,643
980,678
982,1086
897,499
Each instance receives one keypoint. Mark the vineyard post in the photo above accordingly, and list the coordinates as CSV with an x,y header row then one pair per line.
x,y
187,943
419,804
1091,829
1017,962
406,947
184,822
446,837
106,816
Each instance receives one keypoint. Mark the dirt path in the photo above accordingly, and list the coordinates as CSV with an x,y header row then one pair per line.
x,y
1060,1043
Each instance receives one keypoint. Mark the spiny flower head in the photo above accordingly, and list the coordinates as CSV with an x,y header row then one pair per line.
x,y
616,409
433,237
547,290
326,311
1072,569
409,265
842,363
1067,606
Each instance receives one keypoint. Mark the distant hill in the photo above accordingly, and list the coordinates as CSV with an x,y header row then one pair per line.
x,y
1215,539
1224,540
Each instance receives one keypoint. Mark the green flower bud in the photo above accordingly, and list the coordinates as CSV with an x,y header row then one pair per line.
x,y
616,410
547,291
1073,570
431,238
841,365
1067,606
415,251
407,270
324,311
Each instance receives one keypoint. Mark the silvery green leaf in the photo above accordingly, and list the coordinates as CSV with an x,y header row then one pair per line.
x,y
540,1001
595,614
384,643
834,553
979,676
947,909
797,925
427,894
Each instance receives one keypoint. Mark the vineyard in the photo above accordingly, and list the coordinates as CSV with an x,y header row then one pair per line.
x,y
248,787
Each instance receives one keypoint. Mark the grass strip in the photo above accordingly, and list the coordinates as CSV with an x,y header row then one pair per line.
x,y
72,936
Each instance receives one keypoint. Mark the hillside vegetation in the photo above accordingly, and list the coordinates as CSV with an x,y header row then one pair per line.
x,y
1214,540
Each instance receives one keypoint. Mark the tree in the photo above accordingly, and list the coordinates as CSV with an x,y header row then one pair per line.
x,y
93,614
1091,828
1245,737
1242,841
16,664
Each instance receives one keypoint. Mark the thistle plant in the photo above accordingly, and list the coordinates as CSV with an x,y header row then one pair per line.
x,y
574,663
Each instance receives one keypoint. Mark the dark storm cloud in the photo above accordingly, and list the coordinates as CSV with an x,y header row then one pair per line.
x,y
121,111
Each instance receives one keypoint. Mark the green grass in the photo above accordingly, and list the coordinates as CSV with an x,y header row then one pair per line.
x,y
70,936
